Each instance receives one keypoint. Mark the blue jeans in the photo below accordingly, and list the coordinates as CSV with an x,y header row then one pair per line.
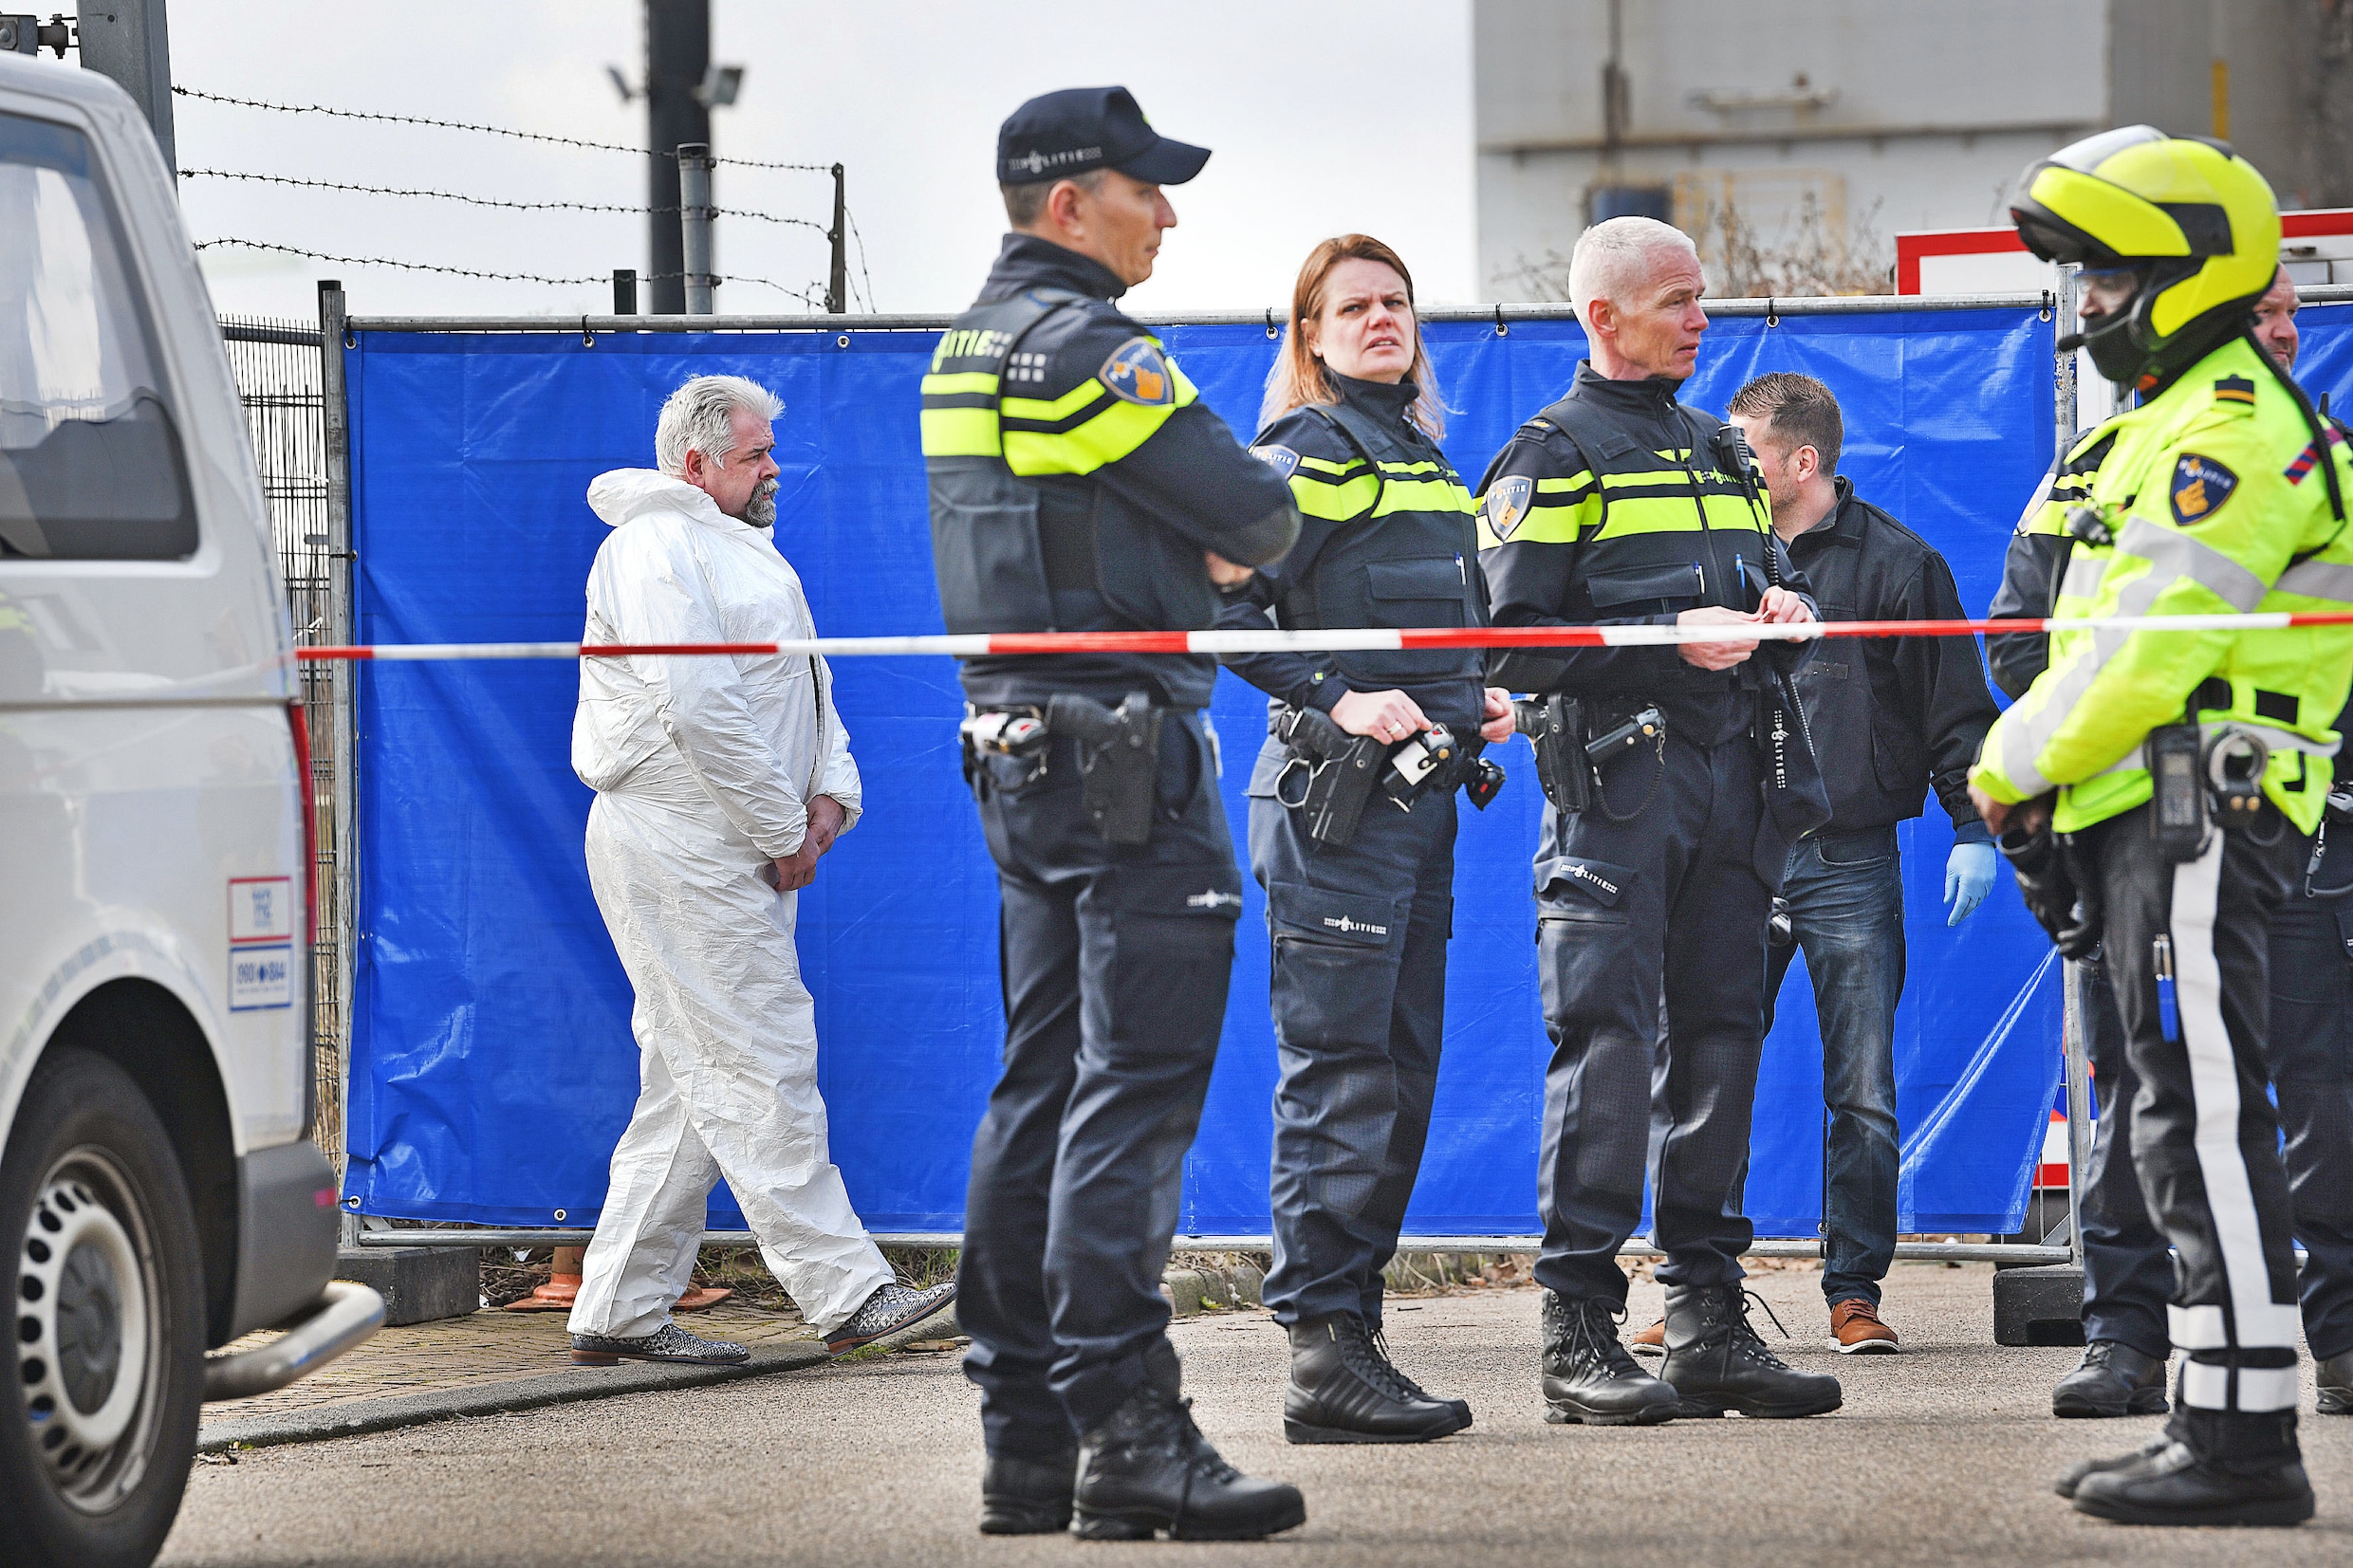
x,y
1845,893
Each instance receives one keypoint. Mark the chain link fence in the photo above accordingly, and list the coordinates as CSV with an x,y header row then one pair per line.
x,y
279,377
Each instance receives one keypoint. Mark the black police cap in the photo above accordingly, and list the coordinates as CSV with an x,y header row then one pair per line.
x,y
1081,129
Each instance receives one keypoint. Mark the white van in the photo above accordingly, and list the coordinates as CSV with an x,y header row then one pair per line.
x,y
158,1194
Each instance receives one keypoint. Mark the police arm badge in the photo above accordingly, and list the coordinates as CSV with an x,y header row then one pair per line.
x,y
1284,461
1138,371
1506,506
2200,485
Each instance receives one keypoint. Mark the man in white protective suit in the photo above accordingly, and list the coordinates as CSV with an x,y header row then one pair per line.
x,y
720,780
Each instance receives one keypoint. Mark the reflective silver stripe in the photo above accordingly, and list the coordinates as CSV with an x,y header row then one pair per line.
x,y
2278,740
2174,554
2317,579
2083,575
2259,1321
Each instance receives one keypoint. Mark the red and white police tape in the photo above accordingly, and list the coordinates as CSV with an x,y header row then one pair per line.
x,y
1338,640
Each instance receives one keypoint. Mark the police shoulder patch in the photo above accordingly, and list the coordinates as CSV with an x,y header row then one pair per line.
x,y
2236,392
1138,371
1506,505
2200,487
1284,461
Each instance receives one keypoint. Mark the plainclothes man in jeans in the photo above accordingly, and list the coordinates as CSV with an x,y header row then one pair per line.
x,y
719,780
1892,717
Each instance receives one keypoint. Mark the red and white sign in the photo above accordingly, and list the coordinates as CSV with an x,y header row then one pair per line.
x,y
2317,248
261,943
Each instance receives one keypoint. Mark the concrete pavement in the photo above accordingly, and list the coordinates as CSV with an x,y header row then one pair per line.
x,y
1941,1454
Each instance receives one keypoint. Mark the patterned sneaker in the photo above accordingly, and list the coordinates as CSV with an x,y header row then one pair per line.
x,y
672,1343
887,1311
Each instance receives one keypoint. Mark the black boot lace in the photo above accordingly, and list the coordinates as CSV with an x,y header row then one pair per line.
x,y
1380,1342
1745,1341
1590,1336
1361,1355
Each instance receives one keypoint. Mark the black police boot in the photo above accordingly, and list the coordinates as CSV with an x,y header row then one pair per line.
x,y
1344,1390
2111,1379
1027,1497
1588,1377
2333,1379
1716,1362
1148,1468
2218,1467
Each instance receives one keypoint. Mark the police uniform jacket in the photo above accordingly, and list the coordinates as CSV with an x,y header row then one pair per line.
x,y
1076,479
1387,538
1891,717
1614,507
2214,501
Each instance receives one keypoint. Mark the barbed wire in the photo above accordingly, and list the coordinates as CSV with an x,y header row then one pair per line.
x,y
810,296
486,130
866,279
487,201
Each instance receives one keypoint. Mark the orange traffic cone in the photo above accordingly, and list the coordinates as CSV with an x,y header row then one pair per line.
x,y
563,1284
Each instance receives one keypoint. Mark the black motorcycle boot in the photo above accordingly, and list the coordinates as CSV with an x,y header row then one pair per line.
x,y
2333,1381
2111,1379
1588,1377
1027,1497
1342,1390
1716,1363
2218,1467
2076,1475
1147,1468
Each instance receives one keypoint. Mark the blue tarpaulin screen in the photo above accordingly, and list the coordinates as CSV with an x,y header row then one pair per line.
x,y
492,1063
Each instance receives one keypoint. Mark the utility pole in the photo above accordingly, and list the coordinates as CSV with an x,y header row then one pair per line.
x,y
677,57
694,226
127,42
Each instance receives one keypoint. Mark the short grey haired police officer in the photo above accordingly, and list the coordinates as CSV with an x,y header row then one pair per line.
x,y
1077,484
1678,778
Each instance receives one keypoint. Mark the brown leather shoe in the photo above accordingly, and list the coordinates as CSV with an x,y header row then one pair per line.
x,y
1651,1342
1856,1330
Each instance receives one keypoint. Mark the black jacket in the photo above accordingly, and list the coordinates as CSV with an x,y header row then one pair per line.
x,y
1891,716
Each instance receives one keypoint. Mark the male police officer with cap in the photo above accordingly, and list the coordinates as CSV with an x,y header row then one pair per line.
x,y
2184,769
1078,485
1619,505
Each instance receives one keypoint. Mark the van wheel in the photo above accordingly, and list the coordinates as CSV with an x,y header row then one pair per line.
x,y
108,1341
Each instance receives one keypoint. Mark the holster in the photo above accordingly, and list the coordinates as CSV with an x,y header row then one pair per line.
x,y
1555,726
1118,752
2064,902
1341,770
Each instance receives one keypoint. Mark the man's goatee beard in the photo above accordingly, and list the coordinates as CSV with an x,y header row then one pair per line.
x,y
760,511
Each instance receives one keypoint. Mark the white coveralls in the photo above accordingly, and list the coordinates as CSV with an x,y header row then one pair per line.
x,y
701,765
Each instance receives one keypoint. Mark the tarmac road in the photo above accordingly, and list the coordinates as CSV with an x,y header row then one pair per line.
x,y
1941,1454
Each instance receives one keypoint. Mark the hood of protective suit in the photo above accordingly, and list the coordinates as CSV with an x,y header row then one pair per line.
x,y
738,741
626,493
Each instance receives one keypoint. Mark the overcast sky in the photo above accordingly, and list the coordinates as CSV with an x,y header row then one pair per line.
x,y
1324,117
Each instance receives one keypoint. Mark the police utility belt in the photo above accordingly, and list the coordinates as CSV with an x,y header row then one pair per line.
x,y
2202,778
1117,749
1332,775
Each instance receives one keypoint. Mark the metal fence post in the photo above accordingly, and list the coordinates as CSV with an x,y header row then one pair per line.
x,y
694,225
2079,1105
335,423
2067,405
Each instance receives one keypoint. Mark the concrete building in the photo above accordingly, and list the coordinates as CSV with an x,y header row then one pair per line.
x,y
1795,138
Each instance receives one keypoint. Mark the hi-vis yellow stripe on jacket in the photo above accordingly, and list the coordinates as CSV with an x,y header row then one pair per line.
x,y
2214,508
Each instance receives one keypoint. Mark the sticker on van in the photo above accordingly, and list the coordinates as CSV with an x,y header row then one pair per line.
x,y
261,943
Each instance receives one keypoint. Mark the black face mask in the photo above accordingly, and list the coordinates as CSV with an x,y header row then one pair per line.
x,y
2110,342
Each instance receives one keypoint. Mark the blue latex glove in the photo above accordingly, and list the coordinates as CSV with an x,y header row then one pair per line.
x,y
1967,877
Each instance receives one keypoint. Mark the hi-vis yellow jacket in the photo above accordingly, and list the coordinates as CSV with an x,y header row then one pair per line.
x,y
2214,497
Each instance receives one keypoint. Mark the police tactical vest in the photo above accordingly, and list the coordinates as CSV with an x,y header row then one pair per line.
x,y
1016,554
1410,559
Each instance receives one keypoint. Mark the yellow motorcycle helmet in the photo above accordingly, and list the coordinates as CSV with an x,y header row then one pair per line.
x,y
2191,218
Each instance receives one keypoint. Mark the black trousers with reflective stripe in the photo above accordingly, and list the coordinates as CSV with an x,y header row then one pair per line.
x,y
1359,993
1686,921
1115,962
2205,1138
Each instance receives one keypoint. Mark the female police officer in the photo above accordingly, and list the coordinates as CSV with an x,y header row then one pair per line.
x,y
1352,820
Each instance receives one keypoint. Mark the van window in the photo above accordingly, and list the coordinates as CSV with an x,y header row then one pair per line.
x,y
90,460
